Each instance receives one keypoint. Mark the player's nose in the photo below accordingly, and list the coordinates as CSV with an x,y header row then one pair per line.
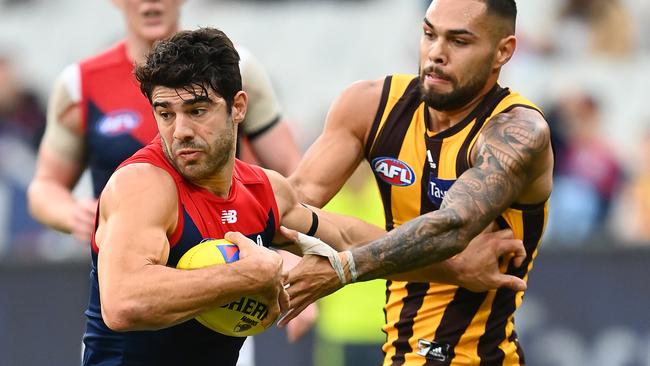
x,y
183,128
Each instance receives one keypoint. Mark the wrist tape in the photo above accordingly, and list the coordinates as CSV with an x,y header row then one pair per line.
x,y
314,246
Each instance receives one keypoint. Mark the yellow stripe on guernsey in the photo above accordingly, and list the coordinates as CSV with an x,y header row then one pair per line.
x,y
432,323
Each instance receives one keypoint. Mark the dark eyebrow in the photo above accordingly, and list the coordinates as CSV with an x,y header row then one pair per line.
x,y
160,104
198,99
452,32
186,102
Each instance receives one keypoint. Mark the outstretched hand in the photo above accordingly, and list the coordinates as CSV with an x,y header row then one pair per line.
x,y
312,279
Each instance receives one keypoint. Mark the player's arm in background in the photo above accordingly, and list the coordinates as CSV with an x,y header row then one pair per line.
x,y
138,212
60,163
338,231
336,153
512,162
268,132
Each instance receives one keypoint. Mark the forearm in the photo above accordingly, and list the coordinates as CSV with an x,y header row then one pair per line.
x,y
346,232
308,192
158,297
425,240
51,204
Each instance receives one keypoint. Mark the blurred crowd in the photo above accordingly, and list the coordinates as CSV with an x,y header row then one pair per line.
x,y
22,121
602,191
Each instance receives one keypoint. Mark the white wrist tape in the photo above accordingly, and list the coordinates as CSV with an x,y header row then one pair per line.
x,y
351,266
314,246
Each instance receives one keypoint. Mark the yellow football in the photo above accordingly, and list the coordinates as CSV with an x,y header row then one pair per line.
x,y
239,318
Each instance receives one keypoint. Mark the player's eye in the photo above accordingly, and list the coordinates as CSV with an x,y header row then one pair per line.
x,y
198,111
460,42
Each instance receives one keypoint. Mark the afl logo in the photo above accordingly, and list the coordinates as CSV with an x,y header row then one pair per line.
x,y
118,123
394,172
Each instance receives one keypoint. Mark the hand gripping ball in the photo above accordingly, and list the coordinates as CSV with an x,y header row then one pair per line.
x,y
239,318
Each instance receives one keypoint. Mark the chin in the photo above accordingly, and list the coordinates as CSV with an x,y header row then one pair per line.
x,y
155,33
190,174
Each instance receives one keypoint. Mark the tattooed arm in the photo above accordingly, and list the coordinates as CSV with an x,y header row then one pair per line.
x,y
512,162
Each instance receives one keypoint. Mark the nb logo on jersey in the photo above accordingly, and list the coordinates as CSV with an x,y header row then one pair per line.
x,y
433,351
228,216
394,172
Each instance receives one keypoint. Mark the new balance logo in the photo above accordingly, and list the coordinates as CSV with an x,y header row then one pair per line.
x,y
433,351
228,216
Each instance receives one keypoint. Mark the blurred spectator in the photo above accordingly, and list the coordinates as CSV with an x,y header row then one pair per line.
x,y
588,173
592,28
633,214
21,114
21,124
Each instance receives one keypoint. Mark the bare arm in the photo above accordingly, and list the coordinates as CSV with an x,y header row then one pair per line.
x,y
277,149
138,211
341,232
337,152
512,154
59,166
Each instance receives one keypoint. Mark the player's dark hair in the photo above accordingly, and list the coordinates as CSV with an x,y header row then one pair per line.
x,y
506,9
204,57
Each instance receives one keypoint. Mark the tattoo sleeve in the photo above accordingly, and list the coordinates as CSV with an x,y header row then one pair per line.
x,y
506,153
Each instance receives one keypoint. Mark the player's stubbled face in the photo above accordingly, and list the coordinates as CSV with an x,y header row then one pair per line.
x,y
197,131
151,19
456,53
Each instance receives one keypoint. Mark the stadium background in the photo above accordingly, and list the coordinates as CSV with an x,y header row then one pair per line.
x,y
586,62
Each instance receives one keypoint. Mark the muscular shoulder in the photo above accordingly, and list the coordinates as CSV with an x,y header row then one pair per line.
x,y
517,144
285,195
355,108
364,95
520,127
142,191
139,178
65,97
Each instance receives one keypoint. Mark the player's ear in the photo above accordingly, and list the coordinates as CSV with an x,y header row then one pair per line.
x,y
239,106
504,51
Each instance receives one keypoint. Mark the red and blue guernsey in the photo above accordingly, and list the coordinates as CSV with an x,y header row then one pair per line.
x,y
116,117
250,209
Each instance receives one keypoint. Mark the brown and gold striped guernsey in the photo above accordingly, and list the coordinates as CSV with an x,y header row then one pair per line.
x,y
432,323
